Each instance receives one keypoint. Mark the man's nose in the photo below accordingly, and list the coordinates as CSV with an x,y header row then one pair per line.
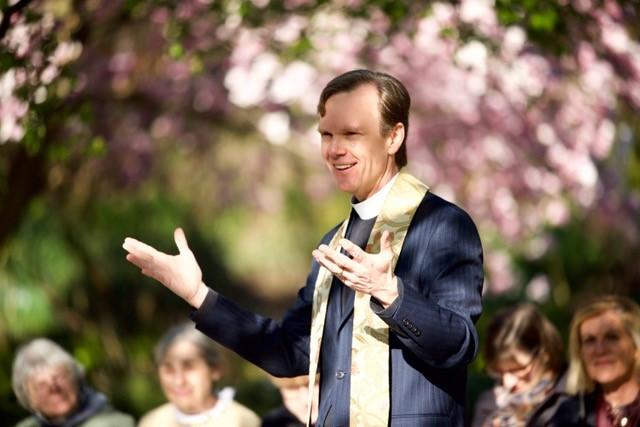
x,y
336,147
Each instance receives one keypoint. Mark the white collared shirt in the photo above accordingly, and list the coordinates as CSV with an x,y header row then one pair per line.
x,y
371,207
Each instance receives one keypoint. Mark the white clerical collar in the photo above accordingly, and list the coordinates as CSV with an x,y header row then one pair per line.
x,y
225,397
371,207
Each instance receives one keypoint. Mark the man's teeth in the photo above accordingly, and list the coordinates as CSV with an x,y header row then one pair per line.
x,y
343,167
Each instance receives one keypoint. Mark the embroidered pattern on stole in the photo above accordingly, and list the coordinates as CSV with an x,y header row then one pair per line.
x,y
370,400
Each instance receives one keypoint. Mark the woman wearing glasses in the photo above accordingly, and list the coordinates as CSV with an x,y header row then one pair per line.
x,y
604,351
523,353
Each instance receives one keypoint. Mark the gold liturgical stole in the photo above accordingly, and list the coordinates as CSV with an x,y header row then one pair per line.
x,y
370,399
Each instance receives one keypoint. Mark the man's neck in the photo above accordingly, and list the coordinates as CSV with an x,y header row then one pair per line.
x,y
372,206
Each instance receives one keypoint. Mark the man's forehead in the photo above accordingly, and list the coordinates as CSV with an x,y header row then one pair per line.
x,y
350,110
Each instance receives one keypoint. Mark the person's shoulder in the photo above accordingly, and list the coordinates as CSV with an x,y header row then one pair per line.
x,y
435,204
484,406
28,422
558,410
487,397
246,416
435,214
156,416
109,417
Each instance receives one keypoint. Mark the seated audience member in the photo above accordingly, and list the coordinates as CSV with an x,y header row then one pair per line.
x,y
603,377
189,365
294,409
51,385
523,352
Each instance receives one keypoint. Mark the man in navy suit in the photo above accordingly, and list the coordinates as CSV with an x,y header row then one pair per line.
x,y
429,295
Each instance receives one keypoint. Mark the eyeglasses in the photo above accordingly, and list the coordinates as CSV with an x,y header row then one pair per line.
x,y
521,371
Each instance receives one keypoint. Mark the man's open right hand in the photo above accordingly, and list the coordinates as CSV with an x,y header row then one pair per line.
x,y
180,273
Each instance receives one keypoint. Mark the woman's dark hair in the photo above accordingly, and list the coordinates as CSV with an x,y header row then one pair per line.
x,y
523,328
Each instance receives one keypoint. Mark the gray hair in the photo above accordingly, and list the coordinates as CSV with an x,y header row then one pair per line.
x,y
208,349
38,354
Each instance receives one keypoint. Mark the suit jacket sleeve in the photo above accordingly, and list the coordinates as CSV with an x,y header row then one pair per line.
x,y
280,348
440,283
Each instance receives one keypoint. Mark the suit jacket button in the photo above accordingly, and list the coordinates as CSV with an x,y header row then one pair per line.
x,y
339,375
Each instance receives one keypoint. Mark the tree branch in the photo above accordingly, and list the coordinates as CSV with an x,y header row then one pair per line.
x,y
8,12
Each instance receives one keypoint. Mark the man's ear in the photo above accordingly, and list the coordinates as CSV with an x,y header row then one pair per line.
x,y
395,138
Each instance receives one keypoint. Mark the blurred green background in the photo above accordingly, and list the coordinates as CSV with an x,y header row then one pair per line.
x,y
132,117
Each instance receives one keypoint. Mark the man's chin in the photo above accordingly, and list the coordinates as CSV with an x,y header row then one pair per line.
x,y
344,186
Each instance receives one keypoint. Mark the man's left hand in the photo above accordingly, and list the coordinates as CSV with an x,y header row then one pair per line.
x,y
364,272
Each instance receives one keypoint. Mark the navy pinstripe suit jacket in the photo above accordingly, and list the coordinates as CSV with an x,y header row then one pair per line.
x,y
432,338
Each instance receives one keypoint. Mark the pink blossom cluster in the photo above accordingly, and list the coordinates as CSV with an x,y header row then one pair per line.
x,y
34,70
517,136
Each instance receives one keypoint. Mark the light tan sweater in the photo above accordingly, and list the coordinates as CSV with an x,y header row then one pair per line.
x,y
232,414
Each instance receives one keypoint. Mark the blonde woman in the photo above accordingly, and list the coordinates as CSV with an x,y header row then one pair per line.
x,y
189,365
604,350
523,353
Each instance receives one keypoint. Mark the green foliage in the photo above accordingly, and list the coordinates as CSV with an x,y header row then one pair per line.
x,y
544,21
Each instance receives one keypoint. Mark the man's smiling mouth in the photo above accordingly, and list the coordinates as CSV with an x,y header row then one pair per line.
x,y
343,166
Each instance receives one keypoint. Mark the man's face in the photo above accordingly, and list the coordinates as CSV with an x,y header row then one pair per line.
x,y
359,157
608,351
186,378
52,392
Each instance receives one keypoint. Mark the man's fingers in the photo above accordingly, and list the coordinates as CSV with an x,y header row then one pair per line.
x,y
141,261
181,240
326,262
340,259
138,248
385,241
352,249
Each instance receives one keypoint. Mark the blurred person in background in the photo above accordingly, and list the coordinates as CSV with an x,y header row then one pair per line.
x,y
604,364
523,353
189,366
51,385
295,405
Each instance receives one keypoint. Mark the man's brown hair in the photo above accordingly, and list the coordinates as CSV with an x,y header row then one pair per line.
x,y
394,101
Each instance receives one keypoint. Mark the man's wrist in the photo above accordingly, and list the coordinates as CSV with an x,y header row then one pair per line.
x,y
387,296
198,296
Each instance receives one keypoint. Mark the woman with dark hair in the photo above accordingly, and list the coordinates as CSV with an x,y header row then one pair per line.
x,y
189,364
523,353
51,385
